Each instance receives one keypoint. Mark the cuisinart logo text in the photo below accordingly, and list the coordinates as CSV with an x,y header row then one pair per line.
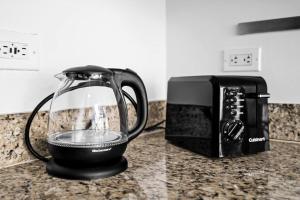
x,y
100,150
257,139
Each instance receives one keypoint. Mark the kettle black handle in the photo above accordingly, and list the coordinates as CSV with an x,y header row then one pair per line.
x,y
129,78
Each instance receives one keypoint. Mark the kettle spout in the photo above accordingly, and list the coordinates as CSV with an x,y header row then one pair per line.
x,y
60,76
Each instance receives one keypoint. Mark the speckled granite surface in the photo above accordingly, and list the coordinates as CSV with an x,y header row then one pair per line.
x,y
159,170
284,121
284,125
12,126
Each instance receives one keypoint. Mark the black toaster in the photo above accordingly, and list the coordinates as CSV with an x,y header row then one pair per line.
x,y
218,116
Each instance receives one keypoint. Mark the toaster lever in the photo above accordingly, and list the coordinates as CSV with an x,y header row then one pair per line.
x,y
267,95
257,96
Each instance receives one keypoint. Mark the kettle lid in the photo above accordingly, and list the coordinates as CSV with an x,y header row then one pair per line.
x,y
88,69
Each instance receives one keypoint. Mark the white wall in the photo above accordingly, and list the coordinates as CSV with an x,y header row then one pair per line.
x,y
109,33
199,30
131,33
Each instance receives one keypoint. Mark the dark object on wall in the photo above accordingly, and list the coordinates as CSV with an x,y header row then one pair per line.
x,y
280,24
218,116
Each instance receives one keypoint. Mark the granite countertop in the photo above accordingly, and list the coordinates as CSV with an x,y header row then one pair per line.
x,y
159,170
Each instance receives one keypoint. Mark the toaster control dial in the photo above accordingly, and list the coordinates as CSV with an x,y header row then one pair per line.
x,y
233,130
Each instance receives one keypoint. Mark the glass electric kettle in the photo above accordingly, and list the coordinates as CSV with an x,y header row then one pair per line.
x,y
88,123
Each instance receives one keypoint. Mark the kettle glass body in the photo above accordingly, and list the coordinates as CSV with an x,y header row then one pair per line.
x,y
84,112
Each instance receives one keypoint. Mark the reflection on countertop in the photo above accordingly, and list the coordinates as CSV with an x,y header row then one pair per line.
x,y
159,170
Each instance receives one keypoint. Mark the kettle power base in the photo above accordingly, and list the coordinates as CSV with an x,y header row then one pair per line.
x,y
87,173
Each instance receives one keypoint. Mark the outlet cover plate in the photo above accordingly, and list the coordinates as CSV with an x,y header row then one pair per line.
x,y
27,47
246,59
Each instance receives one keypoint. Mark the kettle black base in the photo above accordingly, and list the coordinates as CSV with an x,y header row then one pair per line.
x,y
86,173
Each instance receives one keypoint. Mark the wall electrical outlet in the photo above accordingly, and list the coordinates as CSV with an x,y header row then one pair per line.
x,y
18,51
242,59
14,50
